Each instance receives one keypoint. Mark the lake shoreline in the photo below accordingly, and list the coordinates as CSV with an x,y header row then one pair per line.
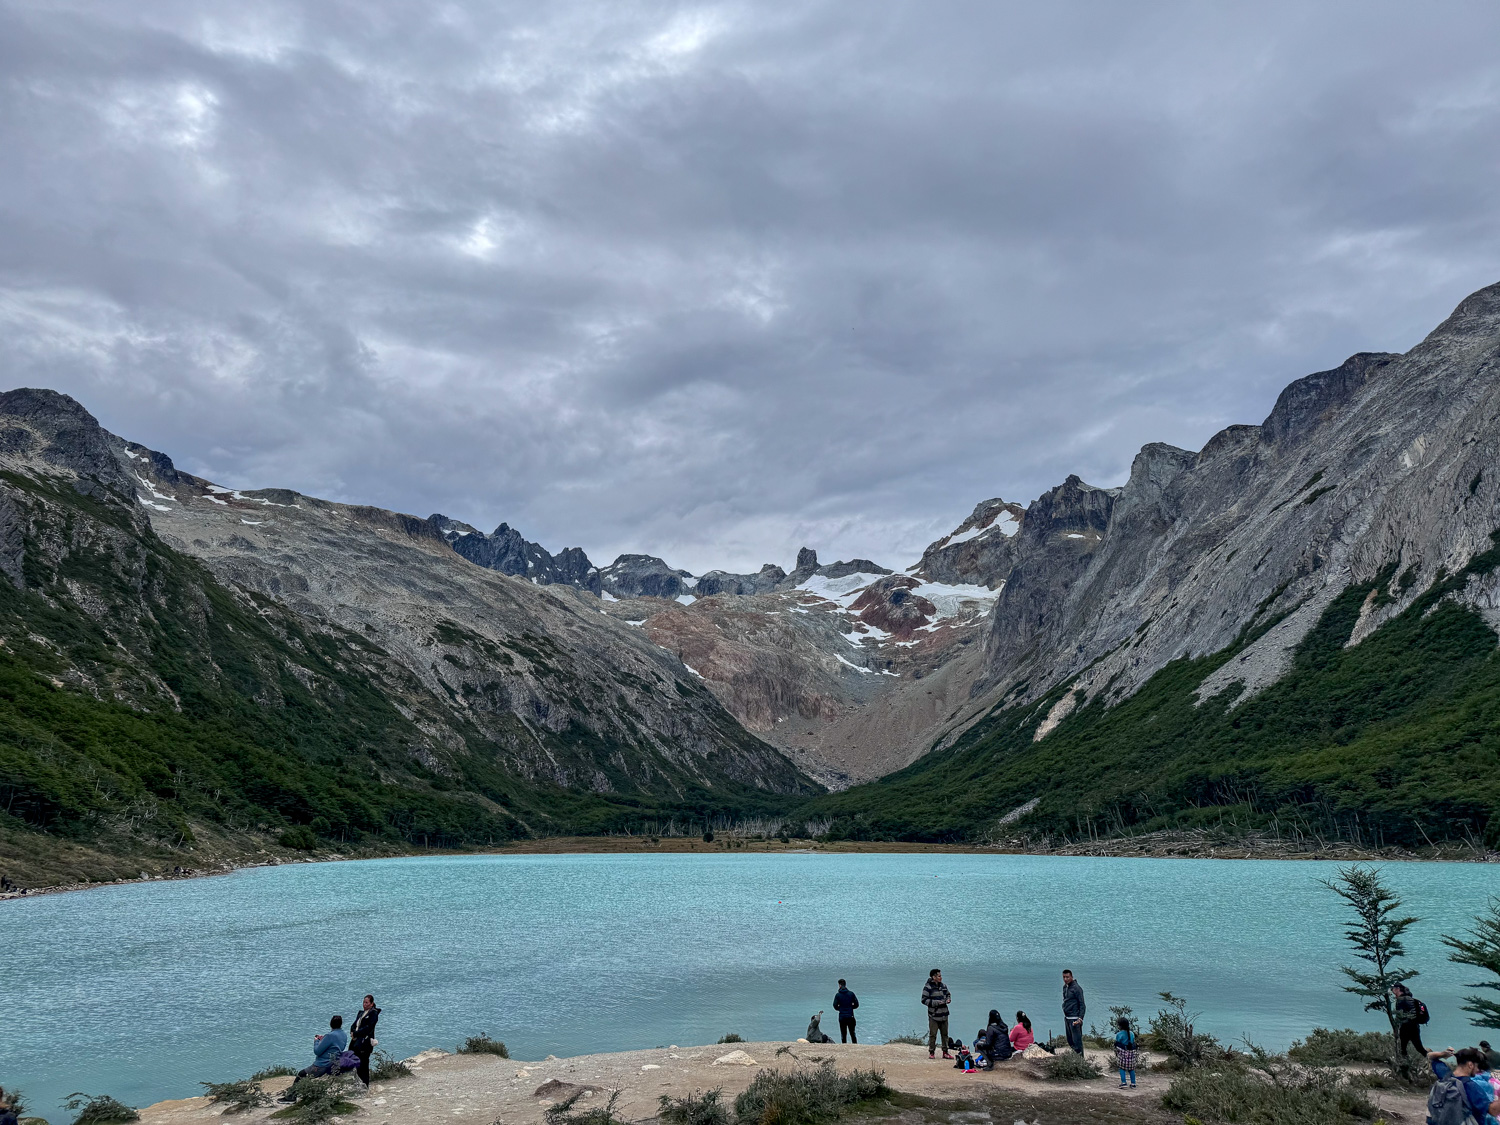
x,y
458,1089
1197,845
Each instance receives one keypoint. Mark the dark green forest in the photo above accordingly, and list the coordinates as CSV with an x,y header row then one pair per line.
x,y
1395,741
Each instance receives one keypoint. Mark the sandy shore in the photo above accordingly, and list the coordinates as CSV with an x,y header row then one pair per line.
x,y
484,1089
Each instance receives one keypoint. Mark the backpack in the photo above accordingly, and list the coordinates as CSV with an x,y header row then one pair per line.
x,y
347,1060
1447,1105
1422,1013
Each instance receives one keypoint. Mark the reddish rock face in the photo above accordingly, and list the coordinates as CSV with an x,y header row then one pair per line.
x,y
891,605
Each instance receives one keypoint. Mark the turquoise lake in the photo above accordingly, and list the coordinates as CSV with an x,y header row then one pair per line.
x,y
143,991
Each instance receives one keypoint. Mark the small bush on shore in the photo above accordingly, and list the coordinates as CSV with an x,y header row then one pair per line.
x,y
387,1069
1269,1091
272,1072
320,1099
806,1097
1069,1066
562,1114
1173,1034
98,1109
695,1109
731,1038
237,1097
915,1038
482,1044
1324,1046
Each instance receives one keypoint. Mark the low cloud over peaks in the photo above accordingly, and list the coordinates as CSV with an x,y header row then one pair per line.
x,y
714,281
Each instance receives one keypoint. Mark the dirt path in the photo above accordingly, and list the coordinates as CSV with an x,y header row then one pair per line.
x,y
484,1089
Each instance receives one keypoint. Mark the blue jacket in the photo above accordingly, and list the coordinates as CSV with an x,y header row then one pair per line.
x,y
844,1003
328,1048
1480,1094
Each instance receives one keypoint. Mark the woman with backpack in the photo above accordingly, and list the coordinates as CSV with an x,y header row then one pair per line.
x,y
1125,1051
1411,1014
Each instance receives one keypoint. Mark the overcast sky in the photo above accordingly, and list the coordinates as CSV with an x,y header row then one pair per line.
x,y
716,281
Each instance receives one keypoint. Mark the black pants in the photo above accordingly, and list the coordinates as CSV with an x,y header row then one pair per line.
x,y
1411,1033
1075,1034
846,1030
364,1051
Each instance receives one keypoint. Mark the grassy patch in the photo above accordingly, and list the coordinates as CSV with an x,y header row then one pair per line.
x,y
317,1100
806,1097
98,1109
730,1038
1069,1066
387,1069
915,1038
697,1108
482,1044
1276,1093
1326,1047
237,1097
564,1113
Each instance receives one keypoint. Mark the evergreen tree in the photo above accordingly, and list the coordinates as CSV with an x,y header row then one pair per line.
x,y
1482,950
1375,933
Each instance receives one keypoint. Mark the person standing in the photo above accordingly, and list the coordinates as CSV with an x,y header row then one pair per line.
x,y
936,996
362,1037
1125,1051
1073,1010
1411,1014
844,1003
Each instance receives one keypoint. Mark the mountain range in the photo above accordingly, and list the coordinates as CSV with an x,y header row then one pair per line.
x,y
1293,625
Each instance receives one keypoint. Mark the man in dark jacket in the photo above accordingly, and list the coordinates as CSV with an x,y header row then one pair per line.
x,y
936,996
1073,1010
362,1037
1408,1020
844,1003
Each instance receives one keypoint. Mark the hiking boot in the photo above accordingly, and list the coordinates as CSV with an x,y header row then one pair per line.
x,y
930,1055
946,1055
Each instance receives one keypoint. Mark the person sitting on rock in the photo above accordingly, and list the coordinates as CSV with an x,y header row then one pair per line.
x,y
815,1033
1020,1035
326,1051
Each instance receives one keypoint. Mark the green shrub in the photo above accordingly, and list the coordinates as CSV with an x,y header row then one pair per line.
x,y
1069,1066
806,1097
915,1038
482,1044
237,1097
1275,1093
316,1100
388,1069
708,837
299,837
695,1109
731,1038
272,1072
98,1109
1174,1034
562,1114
1324,1046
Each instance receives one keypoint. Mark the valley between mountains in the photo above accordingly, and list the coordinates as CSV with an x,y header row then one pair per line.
x,y
1292,629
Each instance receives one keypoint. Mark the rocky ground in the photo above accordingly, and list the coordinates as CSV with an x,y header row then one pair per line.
x,y
484,1089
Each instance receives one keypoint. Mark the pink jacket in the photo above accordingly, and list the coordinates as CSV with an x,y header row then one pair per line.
x,y
1020,1038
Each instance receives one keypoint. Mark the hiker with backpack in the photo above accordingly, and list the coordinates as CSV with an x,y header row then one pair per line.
x,y
936,997
1459,1094
1125,1051
1411,1014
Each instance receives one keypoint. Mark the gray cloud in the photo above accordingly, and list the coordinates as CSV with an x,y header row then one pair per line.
x,y
716,281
